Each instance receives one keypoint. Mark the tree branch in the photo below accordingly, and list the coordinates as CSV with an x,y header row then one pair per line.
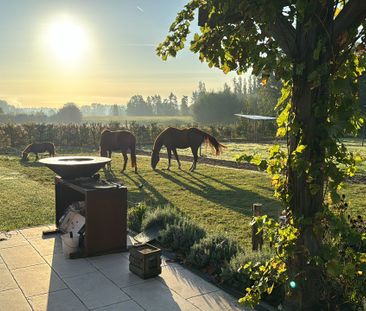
x,y
281,30
351,16
284,33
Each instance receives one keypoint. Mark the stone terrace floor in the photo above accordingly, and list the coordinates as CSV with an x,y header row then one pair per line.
x,y
34,275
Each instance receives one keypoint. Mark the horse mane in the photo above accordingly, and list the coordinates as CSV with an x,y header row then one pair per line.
x,y
26,149
158,143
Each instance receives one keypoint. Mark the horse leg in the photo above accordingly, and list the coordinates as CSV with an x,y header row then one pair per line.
x,y
109,154
195,158
169,158
125,158
176,156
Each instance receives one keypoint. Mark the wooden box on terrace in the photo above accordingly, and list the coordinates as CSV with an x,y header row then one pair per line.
x,y
145,260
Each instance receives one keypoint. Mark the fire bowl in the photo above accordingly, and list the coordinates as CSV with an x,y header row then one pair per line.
x,y
72,167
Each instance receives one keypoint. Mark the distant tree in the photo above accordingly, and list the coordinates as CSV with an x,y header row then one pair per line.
x,y
69,113
216,107
196,94
114,111
171,105
157,104
137,106
184,108
1,111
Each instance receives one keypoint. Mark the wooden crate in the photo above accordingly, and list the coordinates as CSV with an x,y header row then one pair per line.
x,y
145,260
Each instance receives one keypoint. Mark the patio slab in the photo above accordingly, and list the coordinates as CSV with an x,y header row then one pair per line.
x,y
13,300
185,282
20,257
129,305
34,275
95,290
47,246
36,280
63,300
6,279
66,268
11,239
155,296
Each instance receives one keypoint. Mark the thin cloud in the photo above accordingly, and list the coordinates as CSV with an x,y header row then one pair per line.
x,y
140,9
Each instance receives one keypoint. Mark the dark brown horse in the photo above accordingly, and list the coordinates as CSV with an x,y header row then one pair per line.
x,y
118,141
173,138
39,148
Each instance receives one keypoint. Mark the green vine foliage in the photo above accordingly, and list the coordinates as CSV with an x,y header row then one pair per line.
x,y
314,47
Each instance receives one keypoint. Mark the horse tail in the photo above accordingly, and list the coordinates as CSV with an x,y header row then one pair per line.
x,y
212,141
52,149
103,142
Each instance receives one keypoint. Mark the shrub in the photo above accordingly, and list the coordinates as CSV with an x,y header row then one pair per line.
x,y
161,217
234,276
182,235
135,216
214,251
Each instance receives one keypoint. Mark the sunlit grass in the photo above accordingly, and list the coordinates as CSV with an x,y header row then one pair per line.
x,y
219,199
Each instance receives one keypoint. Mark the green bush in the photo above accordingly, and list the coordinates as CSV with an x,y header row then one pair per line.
x,y
214,251
181,236
237,278
161,217
135,216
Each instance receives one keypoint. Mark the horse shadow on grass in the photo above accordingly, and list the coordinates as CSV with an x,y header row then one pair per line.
x,y
142,190
232,197
28,163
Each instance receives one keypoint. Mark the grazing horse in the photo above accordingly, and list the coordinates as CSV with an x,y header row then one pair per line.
x,y
173,138
39,148
118,141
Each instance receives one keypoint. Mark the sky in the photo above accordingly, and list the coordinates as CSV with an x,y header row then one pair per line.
x,y
93,51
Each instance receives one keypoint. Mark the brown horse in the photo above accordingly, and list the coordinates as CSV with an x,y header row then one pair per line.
x,y
39,148
118,141
173,138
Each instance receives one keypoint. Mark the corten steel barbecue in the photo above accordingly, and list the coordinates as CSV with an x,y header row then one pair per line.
x,y
105,203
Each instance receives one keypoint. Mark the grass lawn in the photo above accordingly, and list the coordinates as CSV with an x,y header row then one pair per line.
x,y
219,199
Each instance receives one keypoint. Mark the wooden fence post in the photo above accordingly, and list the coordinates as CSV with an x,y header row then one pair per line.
x,y
257,238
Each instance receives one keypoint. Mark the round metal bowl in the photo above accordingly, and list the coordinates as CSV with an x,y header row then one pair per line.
x,y
71,167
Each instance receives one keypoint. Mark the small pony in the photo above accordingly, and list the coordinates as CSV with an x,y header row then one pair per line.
x,y
39,148
118,141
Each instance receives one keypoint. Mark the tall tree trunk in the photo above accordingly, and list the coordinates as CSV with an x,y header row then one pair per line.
x,y
305,202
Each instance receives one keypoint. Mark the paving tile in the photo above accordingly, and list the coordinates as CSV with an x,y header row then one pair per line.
x,y
62,300
1,260
37,280
129,305
11,239
153,295
95,290
47,246
217,301
69,267
108,261
13,300
117,270
6,279
20,257
185,283
34,232
169,262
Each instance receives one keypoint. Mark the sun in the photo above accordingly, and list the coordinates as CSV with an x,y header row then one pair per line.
x,y
66,40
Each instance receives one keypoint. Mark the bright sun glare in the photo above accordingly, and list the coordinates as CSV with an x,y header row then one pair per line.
x,y
67,40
